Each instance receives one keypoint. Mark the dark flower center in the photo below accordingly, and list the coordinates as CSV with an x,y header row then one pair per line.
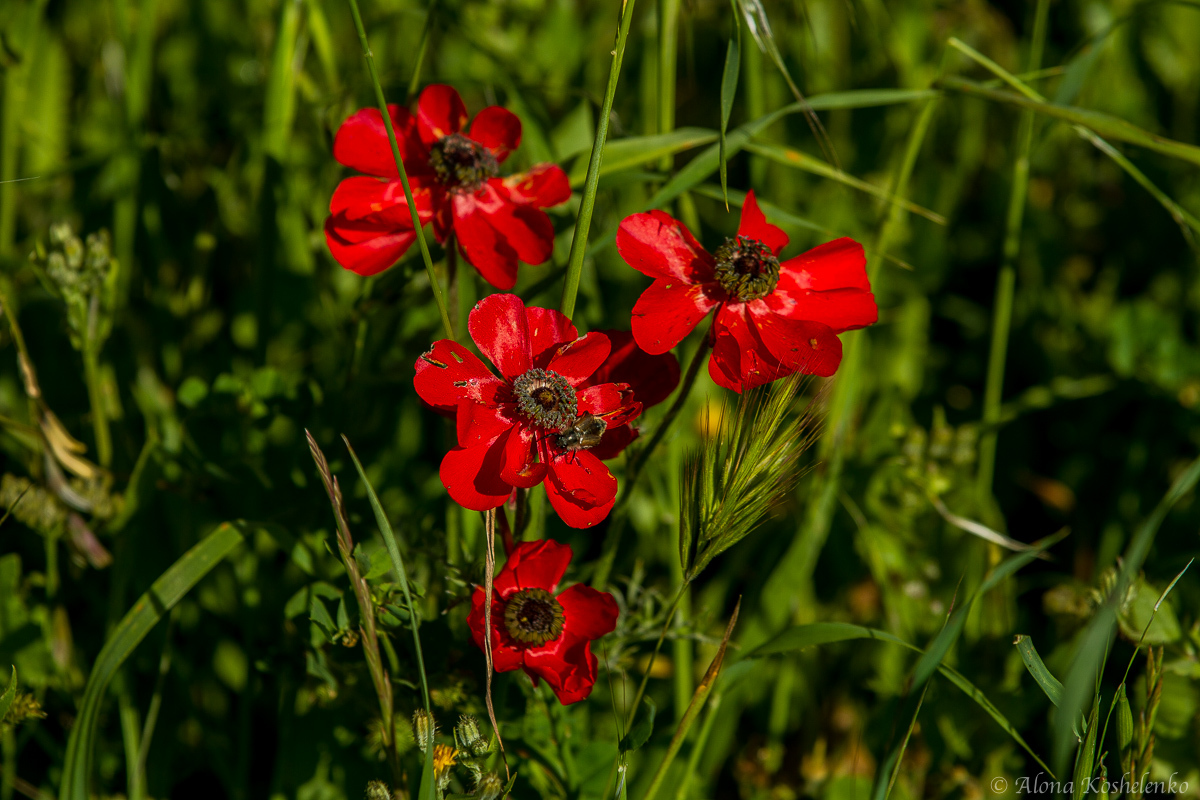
x,y
746,269
545,399
533,616
462,165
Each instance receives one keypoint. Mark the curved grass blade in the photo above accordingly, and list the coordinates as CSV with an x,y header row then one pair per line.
x,y
1051,685
1094,645
389,539
933,656
729,82
819,633
802,161
633,151
160,598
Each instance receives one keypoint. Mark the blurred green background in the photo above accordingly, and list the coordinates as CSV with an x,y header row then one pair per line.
x,y
199,135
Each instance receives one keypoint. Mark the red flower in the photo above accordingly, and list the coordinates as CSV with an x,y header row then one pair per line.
x,y
772,319
455,177
547,636
652,378
538,422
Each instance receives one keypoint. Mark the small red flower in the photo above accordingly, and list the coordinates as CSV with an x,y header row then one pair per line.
x,y
549,637
652,378
454,173
538,421
772,319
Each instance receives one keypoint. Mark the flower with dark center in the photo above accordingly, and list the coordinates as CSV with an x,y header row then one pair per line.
x,y
462,164
772,318
533,616
454,173
547,635
546,399
509,426
746,269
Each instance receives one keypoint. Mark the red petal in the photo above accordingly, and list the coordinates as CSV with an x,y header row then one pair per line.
x,y
740,360
448,373
525,229
440,112
754,225
567,665
801,346
472,477
360,197
497,129
577,360
588,613
548,329
544,185
479,423
668,311
828,284
362,143
614,441
658,245
613,401
482,246
536,565
505,656
521,467
366,247
500,328
652,377
581,489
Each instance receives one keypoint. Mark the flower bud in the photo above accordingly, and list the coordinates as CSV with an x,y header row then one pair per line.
x,y
467,734
489,787
378,790
424,729
1124,719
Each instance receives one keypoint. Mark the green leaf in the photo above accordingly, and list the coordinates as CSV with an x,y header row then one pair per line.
x,y
623,154
160,598
1051,685
9,694
729,81
428,789
639,734
1144,614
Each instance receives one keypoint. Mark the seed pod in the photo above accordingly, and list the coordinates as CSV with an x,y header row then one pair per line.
x,y
467,734
489,788
378,790
424,729
1124,719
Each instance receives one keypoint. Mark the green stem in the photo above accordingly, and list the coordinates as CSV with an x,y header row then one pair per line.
x,y
584,221
662,635
164,667
693,762
1007,279
100,429
612,539
426,31
668,49
681,648
438,295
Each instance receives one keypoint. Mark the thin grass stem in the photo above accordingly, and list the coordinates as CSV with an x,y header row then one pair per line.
x,y
438,295
583,222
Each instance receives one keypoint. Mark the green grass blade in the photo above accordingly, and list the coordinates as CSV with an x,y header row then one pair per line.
x,y
819,633
933,656
280,101
634,151
1080,682
9,694
729,81
160,598
1103,124
794,158
1051,685
389,539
